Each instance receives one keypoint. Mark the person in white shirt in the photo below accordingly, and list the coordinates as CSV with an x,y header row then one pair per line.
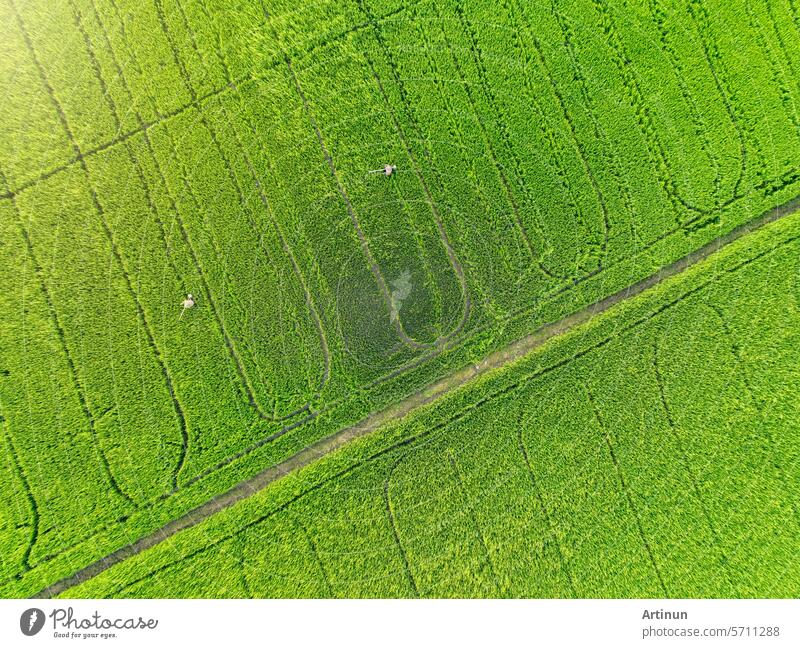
x,y
187,303
387,170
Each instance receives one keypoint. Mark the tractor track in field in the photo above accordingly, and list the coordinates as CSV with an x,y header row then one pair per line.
x,y
25,184
393,524
523,449
687,466
427,395
624,487
769,438
396,115
117,255
240,191
475,523
374,266
377,272
197,103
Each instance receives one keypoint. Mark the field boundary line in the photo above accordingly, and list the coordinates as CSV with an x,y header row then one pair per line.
x,y
425,396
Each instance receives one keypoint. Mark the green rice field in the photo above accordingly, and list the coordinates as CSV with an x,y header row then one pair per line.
x,y
548,155
592,468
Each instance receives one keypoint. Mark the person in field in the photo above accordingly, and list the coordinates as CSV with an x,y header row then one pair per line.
x,y
387,170
187,304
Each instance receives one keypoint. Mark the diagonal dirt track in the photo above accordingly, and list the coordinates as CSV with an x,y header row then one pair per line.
x,y
427,395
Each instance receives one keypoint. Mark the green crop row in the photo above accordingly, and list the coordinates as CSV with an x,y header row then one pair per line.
x,y
547,157
592,467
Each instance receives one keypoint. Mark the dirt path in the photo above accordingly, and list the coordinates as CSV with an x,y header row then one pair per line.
x,y
427,395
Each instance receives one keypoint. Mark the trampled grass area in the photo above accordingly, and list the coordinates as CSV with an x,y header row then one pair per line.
x,y
652,452
548,155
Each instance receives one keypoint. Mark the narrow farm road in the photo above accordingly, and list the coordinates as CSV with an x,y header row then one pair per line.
x,y
427,395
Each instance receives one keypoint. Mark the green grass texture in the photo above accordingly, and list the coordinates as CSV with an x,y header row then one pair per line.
x,y
652,452
548,154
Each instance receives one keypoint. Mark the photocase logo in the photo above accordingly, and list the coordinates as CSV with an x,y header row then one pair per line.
x,y
31,621
66,624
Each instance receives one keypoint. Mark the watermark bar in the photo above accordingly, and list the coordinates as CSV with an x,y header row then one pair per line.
x,y
381,623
